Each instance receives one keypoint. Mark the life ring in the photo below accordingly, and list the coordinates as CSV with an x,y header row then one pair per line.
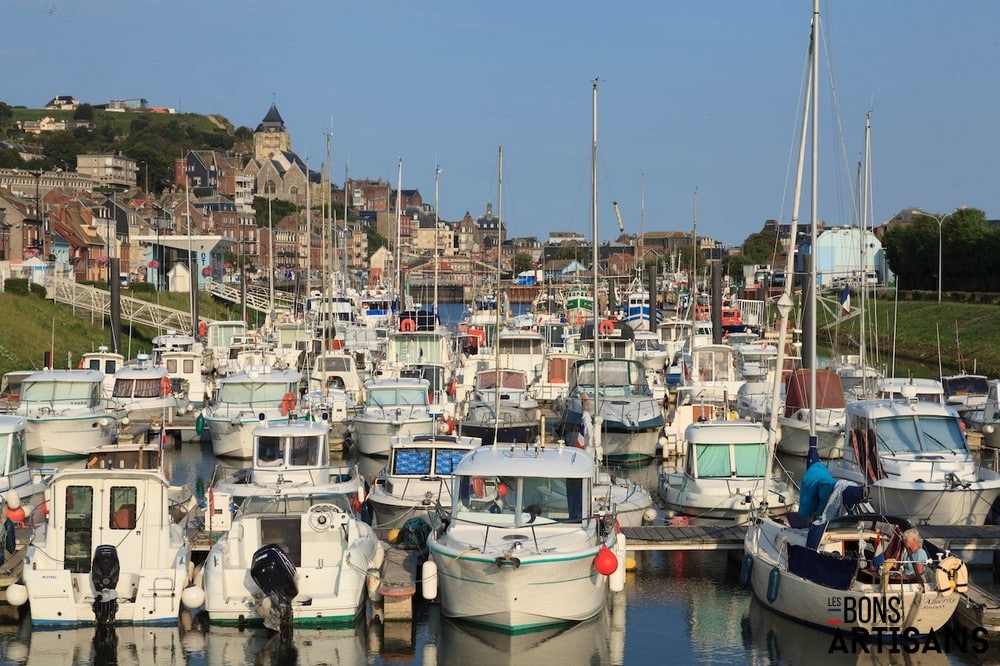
x,y
951,576
165,385
453,387
81,364
287,403
407,325
447,425
17,515
478,486
202,328
607,327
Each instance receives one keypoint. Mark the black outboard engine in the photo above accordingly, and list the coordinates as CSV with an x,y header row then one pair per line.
x,y
273,572
104,573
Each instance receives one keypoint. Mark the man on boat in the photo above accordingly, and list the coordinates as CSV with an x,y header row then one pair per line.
x,y
916,556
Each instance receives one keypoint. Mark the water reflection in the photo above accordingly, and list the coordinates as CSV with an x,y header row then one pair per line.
x,y
593,641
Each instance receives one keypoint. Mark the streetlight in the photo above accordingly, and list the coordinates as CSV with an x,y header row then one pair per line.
x,y
940,222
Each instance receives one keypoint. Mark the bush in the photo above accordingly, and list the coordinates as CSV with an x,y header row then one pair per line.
x,y
38,290
16,286
142,288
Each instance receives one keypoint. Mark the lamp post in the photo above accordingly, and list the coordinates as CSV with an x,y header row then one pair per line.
x,y
940,222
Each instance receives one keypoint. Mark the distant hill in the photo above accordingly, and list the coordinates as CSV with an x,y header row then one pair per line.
x,y
155,140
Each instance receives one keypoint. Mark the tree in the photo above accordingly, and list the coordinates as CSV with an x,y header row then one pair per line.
x,y
279,210
758,248
83,112
6,118
375,240
522,262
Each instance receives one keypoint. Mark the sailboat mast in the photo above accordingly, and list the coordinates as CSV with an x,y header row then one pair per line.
x,y
866,182
785,302
399,221
437,242
343,247
496,335
814,212
596,262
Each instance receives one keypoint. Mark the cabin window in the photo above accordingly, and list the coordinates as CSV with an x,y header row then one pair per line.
x,y
171,366
712,461
446,461
188,366
18,451
305,450
79,528
751,460
123,508
415,462
270,452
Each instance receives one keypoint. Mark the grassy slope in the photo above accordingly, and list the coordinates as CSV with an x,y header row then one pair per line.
x,y
920,327
33,323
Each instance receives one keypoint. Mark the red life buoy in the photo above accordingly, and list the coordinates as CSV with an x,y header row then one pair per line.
x,y
407,325
478,486
81,364
447,425
165,385
453,387
287,403
607,327
17,515
202,328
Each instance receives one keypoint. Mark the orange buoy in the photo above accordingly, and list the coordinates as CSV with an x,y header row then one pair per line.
x,y
607,327
605,561
407,325
287,403
165,385
202,328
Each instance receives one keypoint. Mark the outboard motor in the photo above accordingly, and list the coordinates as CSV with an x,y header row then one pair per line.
x,y
273,572
104,573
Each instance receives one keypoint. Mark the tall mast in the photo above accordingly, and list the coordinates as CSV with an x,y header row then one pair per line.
x,y
399,221
343,247
866,182
596,261
814,213
308,236
437,246
496,336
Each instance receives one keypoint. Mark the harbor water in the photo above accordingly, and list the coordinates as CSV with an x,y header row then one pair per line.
x,y
678,608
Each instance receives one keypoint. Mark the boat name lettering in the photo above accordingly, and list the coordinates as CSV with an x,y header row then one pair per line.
x,y
896,640
873,610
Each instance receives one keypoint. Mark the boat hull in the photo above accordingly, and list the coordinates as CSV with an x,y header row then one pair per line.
x,y
63,438
538,593
372,436
794,438
235,440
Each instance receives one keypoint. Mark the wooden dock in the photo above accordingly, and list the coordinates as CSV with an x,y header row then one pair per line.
x,y
724,537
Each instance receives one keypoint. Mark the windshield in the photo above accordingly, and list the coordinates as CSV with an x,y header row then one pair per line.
x,y
257,393
926,434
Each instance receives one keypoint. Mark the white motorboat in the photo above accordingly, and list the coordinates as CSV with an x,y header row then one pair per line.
x,y
289,455
416,480
521,548
914,457
65,414
114,548
393,408
242,401
500,409
292,558
144,391
723,477
14,471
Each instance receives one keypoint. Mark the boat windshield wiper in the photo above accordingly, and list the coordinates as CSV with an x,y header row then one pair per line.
x,y
937,441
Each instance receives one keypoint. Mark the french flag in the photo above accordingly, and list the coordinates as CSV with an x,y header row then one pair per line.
x,y
845,299
879,558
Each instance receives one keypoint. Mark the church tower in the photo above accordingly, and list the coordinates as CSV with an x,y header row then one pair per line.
x,y
270,137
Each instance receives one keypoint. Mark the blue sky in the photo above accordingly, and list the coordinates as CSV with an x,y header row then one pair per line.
x,y
692,95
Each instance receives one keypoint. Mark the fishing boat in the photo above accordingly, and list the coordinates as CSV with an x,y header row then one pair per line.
x,y
114,547
14,471
723,477
291,558
501,409
65,414
289,455
416,480
913,456
242,401
393,408
521,548
986,420
106,361
631,418
144,391
650,352
965,391
579,304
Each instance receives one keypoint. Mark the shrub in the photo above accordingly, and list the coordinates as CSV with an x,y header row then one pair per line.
x,y
142,288
38,290
16,286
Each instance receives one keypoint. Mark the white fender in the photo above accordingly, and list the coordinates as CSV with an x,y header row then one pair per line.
x,y
616,581
193,597
429,580
17,594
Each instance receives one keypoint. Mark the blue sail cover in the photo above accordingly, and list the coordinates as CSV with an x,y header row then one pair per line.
x,y
817,485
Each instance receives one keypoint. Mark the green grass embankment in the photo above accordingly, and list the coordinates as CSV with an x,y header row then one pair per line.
x,y
33,326
917,330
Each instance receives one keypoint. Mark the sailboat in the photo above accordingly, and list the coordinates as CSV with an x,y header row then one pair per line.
x,y
823,573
